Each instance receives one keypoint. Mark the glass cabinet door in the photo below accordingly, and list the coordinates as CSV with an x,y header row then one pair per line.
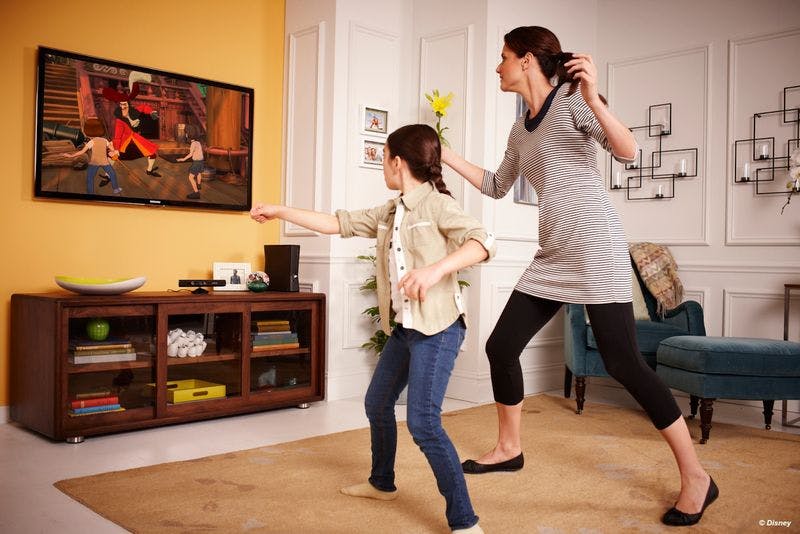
x,y
204,356
109,362
280,358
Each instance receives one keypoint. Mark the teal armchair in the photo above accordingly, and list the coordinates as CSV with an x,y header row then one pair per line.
x,y
580,348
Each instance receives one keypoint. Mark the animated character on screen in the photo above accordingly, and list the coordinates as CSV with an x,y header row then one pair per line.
x,y
101,149
127,139
196,168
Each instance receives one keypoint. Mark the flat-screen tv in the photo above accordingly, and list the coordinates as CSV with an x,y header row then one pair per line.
x,y
113,132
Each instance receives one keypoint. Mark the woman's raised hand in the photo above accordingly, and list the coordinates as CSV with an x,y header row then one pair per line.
x,y
582,68
262,213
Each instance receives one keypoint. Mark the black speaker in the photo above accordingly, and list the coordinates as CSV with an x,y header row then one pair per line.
x,y
281,263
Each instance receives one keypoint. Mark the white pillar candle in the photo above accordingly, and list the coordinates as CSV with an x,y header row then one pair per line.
x,y
660,190
764,150
746,171
683,166
617,179
797,184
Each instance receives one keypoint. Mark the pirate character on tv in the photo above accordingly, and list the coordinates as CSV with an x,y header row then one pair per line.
x,y
127,139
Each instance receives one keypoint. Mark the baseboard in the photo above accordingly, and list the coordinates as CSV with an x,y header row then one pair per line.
x,y
4,415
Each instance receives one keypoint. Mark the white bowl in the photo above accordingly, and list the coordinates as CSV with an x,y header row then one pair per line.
x,y
100,286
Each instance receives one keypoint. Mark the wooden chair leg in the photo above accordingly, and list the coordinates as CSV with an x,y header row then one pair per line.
x,y
693,400
768,404
567,382
706,413
580,392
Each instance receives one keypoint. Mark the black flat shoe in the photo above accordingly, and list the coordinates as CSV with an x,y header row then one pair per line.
x,y
676,518
474,468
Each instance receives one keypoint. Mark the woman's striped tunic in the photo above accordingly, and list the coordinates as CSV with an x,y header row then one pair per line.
x,y
584,256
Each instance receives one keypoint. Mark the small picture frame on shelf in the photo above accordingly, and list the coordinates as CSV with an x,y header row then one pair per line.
x,y
234,274
524,193
374,121
372,153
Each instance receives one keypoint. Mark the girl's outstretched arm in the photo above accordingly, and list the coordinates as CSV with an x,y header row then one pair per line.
x,y
323,223
416,282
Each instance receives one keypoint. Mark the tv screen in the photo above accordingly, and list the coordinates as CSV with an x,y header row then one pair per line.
x,y
113,132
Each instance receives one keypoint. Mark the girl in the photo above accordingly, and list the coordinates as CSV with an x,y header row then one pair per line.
x,y
583,256
423,239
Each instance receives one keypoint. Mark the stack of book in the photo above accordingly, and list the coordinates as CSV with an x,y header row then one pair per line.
x,y
94,402
109,350
271,334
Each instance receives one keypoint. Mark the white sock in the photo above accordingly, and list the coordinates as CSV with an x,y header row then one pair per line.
x,y
370,492
474,529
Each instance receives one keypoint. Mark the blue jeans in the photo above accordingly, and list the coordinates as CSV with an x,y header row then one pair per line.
x,y
425,364
90,174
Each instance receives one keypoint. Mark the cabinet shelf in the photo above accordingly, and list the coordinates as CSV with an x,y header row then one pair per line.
x,y
142,361
44,382
279,352
203,358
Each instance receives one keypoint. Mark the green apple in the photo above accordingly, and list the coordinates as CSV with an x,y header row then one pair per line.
x,y
97,329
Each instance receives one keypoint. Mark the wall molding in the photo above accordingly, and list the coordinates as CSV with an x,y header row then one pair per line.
x,y
292,65
729,296
707,52
785,268
730,237
703,295
349,341
426,42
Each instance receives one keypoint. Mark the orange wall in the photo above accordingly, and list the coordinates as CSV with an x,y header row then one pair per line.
x,y
237,41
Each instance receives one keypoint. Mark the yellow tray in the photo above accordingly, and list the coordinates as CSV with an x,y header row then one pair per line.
x,y
192,390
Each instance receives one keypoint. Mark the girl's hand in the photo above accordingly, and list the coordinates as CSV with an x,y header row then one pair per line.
x,y
582,68
416,283
262,213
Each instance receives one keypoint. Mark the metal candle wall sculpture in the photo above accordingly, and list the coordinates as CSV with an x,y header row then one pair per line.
x,y
659,126
762,163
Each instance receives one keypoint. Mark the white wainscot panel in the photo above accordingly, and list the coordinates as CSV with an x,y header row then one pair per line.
x,y
758,314
760,68
453,49
357,327
373,81
682,79
303,127
515,222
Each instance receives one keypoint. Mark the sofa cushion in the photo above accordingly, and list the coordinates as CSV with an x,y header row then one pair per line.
x,y
731,356
648,335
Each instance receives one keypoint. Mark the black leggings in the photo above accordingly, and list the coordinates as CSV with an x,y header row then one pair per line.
x,y
615,331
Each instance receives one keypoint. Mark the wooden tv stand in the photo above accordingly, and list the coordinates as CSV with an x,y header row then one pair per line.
x,y
267,350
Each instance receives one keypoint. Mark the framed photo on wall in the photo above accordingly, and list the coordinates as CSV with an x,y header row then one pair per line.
x,y
374,121
372,153
234,274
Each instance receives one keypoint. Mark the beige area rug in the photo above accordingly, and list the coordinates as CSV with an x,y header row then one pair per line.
x,y
604,471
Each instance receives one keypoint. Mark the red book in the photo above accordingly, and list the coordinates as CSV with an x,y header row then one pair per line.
x,y
85,403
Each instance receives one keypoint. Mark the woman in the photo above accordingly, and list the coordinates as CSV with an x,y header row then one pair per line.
x,y
423,239
583,256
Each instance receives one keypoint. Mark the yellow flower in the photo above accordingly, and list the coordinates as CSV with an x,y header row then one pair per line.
x,y
439,104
